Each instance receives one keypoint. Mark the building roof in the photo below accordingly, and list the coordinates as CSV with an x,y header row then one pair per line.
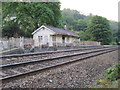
x,y
58,31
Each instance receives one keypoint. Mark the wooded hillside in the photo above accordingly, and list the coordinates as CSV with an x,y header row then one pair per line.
x,y
81,24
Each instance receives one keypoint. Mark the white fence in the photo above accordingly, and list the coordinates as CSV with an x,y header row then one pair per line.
x,y
88,43
78,43
29,43
15,43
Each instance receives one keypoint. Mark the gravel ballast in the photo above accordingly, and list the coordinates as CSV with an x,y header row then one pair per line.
x,y
76,75
36,57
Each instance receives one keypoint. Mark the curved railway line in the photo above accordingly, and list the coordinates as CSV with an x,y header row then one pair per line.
x,y
10,71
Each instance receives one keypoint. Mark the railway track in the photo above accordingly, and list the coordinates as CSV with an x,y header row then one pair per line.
x,y
24,68
17,58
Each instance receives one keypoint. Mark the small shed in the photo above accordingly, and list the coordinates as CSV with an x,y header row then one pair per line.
x,y
52,36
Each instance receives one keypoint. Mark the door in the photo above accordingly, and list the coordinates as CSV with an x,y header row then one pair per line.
x,y
63,39
40,39
45,39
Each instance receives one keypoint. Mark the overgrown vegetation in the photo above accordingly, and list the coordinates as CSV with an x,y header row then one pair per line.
x,y
111,78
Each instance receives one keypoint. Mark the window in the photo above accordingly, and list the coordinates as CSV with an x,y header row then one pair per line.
x,y
54,38
67,39
43,28
40,38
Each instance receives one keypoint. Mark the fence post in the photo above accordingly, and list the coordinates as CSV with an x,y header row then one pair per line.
x,y
21,42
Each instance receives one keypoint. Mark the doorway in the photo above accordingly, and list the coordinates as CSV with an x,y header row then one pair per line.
x,y
63,39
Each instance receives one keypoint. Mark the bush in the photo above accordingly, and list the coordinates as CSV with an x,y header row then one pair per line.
x,y
111,78
112,73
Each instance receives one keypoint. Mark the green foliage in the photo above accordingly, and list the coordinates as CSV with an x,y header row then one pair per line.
x,y
80,25
83,35
118,34
113,43
114,28
11,29
22,18
73,19
112,73
99,30
31,15
111,78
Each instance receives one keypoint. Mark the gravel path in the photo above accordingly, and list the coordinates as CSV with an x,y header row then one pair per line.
x,y
79,74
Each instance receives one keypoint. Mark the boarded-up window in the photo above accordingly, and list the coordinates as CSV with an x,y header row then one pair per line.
x,y
54,38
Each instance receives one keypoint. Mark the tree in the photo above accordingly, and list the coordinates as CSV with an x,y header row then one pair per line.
x,y
80,25
83,35
99,30
118,34
31,15
71,17
114,28
11,30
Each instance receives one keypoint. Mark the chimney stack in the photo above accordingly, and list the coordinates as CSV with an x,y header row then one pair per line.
x,y
65,26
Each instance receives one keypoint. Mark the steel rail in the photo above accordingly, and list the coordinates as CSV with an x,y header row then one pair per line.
x,y
46,59
63,63
48,52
